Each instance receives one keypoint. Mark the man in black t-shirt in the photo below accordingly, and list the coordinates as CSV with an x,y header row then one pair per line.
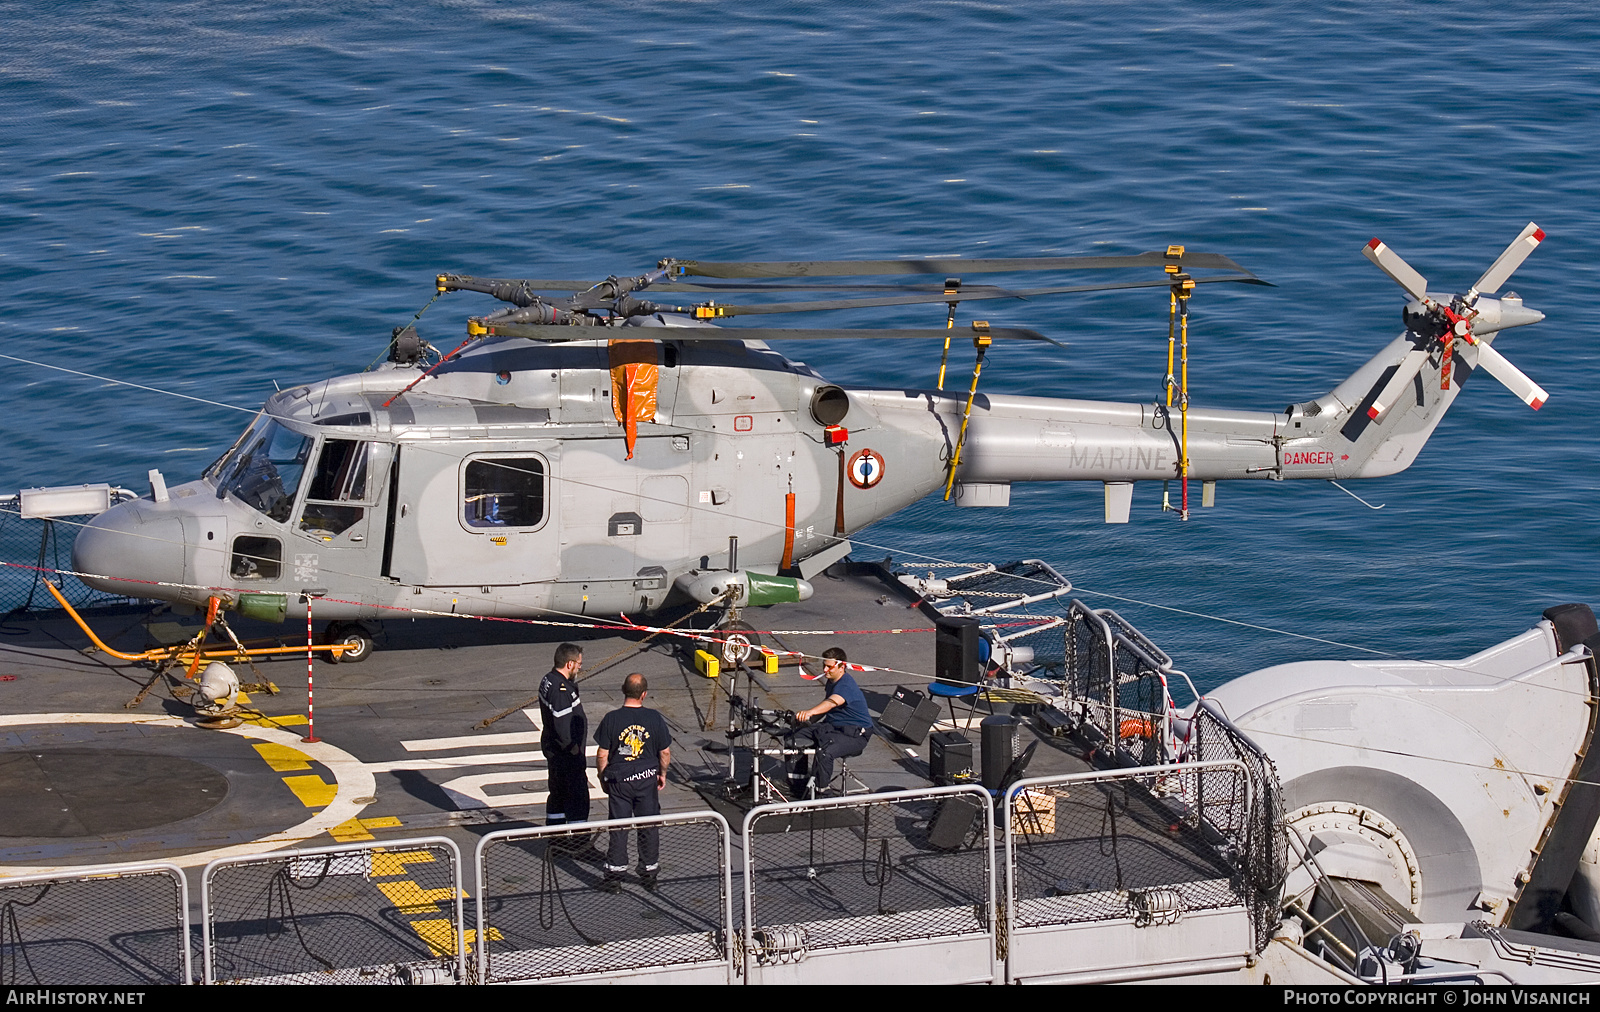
x,y
562,728
634,752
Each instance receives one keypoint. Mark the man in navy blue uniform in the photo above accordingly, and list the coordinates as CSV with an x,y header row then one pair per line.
x,y
634,752
844,730
563,728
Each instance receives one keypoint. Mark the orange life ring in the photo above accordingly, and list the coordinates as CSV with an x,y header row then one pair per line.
x,y
1135,727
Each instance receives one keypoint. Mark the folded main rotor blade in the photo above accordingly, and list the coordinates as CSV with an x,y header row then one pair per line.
x,y
964,295
942,265
1515,380
1508,262
1396,387
536,332
1404,275
459,282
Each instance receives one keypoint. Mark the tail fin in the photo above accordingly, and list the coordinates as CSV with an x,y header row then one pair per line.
x,y
1372,448
1377,447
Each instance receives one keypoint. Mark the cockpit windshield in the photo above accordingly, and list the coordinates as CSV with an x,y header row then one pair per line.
x,y
221,464
265,471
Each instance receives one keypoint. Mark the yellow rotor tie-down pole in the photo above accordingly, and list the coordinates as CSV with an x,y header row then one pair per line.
x,y
182,651
1182,288
951,287
981,341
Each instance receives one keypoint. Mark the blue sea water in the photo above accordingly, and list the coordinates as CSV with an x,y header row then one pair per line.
x,y
212,198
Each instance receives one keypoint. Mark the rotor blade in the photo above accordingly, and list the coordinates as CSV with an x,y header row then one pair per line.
x,y
1508,262
1404,275
941,265
1395,388
547,333
457,282
964,295
1515,380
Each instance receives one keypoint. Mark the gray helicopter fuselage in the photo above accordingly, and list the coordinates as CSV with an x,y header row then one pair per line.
x,y
501,484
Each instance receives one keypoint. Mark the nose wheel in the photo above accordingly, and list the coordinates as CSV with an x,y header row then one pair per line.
x,y
356,639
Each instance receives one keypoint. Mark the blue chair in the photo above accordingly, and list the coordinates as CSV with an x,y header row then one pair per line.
x,y
951,693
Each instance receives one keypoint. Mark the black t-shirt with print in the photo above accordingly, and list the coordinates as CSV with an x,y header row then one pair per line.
x,y
634,737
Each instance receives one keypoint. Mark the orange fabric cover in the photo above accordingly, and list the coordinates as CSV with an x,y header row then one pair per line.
x,y
635,372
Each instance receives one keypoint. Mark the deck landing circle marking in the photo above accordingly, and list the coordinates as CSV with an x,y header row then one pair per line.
x,y
352,781
866,468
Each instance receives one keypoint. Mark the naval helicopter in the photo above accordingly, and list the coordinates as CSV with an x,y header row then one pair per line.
x,y
601,454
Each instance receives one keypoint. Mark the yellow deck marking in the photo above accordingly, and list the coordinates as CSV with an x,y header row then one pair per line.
x,y
287,720
244,697
410,898
312,791
282,758
440,936
356,830
393,862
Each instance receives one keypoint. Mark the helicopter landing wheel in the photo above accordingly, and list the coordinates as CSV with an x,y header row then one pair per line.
x,y
356,639
739,642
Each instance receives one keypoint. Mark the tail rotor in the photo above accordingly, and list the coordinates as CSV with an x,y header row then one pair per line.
x,y
1438,324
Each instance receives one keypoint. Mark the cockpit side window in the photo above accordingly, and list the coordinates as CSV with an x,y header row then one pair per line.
x,y
341,474
339,478
266,475
504,492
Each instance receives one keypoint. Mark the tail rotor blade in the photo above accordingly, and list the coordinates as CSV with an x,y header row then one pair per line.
x,y
1404,275
1508,262
1396,387
1514,379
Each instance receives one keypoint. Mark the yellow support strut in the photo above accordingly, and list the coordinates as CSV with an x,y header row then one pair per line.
x,y
981,341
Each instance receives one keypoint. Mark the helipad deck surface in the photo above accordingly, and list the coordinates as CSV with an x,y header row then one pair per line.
x,y
86,781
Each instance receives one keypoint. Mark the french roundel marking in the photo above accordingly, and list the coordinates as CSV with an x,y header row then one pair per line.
x,y
866,468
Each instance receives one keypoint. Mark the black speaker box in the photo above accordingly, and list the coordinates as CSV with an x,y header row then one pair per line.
x,y
955,650
999,735
954,821
950,758
909,715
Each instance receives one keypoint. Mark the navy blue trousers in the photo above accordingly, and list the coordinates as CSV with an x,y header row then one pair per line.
x,y
632,799
569,789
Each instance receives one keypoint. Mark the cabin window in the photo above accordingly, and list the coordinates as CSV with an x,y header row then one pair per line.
x,y
504,492
256,558
339,478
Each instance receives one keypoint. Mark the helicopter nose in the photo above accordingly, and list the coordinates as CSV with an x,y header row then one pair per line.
x,y
129,548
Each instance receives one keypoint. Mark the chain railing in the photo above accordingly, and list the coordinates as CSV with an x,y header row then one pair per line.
x,y
547,912
123,924
872,870
1134,844
372,914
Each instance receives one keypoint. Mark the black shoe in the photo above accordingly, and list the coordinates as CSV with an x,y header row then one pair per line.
x,y
651,879
610,884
